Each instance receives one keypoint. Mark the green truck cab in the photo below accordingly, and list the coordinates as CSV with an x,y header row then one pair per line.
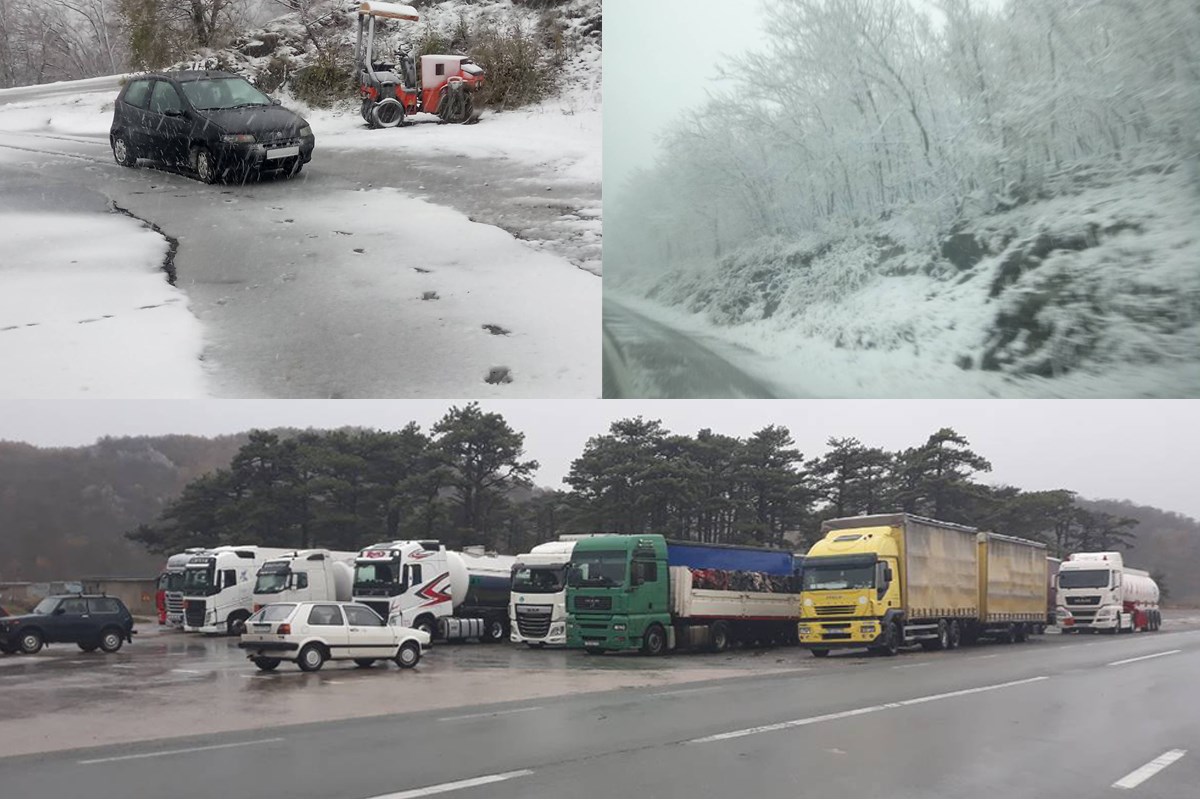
x,y
618,594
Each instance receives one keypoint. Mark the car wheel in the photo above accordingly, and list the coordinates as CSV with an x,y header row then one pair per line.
x,y
30,642
122,152
88,647
297,167
364,662
206,167
312,657
110,640
654,640
408,655
266,664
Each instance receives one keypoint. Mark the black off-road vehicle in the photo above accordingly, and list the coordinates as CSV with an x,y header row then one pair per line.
x,y
88,620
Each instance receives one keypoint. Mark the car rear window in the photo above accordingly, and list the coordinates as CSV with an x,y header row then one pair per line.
x,y
104,605
137,93
277,612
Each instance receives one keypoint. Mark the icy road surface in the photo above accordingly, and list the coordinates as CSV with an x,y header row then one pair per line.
x,y
389,268
646,358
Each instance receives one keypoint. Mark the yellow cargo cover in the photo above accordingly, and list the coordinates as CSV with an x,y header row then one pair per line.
x,y
1012,579
942,579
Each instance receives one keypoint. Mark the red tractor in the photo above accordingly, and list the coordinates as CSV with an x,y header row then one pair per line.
x,y
444,85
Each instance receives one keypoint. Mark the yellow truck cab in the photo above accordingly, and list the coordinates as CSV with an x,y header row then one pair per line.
x,y
889,580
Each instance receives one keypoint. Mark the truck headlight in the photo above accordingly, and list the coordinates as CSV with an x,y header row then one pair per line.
x,y
802,630
862,601
808,602
868,628
618,626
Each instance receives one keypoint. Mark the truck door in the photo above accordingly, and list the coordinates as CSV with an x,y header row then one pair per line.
x,y
648,593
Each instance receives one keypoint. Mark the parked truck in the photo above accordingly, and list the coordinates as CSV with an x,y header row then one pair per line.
x,y
886,581
305,575
171,586
537,608
448,594
1097,592
653,594
218,587
1052,567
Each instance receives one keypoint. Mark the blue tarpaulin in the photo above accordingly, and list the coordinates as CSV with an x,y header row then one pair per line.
x,y
699,556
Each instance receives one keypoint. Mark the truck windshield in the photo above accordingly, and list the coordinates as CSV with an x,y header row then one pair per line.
x,y
198,581
601,568
174,582
818,577
1083,579
270,582
539,580
377,574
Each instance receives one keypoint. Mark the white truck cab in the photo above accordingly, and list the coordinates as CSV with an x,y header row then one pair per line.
x,y
1096,591
218,587
537,608
305,575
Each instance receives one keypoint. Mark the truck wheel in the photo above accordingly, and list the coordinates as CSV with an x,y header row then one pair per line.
x,y
364,662
428,625
31,642
719,634
312,657
236,624
1020,634
955,634
493,631
820,652
594,651
891,645
110,640
408,655
654,641
536,645
1007,636
266,664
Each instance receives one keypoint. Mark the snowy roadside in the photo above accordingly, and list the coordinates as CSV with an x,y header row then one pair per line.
x,y
86,311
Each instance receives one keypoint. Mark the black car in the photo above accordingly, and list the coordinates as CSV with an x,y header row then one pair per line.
x,y
212,123
88,620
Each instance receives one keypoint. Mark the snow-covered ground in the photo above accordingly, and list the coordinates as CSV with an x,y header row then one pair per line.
x,y
1124,308
86,311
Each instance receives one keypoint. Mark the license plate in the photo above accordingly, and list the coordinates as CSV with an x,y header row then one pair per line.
x,y
591,643
284,152
263,628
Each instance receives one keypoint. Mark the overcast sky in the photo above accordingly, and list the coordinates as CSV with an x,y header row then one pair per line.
x,y
1145,451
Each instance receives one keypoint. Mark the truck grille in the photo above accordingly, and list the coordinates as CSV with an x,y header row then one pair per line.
x,y
534,624
1089,600
593,603
174,603
379,608
831,611
194,613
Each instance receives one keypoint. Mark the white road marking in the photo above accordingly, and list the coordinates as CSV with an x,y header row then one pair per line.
x,y
177,752
124,666
697,690
977,658
450,787
490,714
189,671
1148,771
1142,658
795,723
917,664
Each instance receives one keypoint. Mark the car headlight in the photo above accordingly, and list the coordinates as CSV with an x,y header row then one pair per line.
x,y
238,138
306,131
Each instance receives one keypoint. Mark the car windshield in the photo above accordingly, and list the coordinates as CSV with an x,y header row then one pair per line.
x,y
831,577
46,606
270,582
276,612
539,580
601,568
1083,579
218,93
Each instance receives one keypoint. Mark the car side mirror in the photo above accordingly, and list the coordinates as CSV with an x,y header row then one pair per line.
x,y
275,101
59,610
173,112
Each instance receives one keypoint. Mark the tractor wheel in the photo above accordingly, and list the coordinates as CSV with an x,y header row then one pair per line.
x,y
387,113
455,107
367,105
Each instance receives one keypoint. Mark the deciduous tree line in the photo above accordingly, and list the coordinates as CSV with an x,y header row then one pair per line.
x,y
467,481
852,111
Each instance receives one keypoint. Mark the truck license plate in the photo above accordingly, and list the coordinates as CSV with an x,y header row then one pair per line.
x,y
591,643
283,152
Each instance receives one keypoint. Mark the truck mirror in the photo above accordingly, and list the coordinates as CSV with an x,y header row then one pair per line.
x,y
887,573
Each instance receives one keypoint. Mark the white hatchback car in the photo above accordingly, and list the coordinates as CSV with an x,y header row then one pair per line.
x,y
312,633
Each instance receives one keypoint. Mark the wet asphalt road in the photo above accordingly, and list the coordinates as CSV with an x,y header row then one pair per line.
x,y
1059,716
282,315
646,358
